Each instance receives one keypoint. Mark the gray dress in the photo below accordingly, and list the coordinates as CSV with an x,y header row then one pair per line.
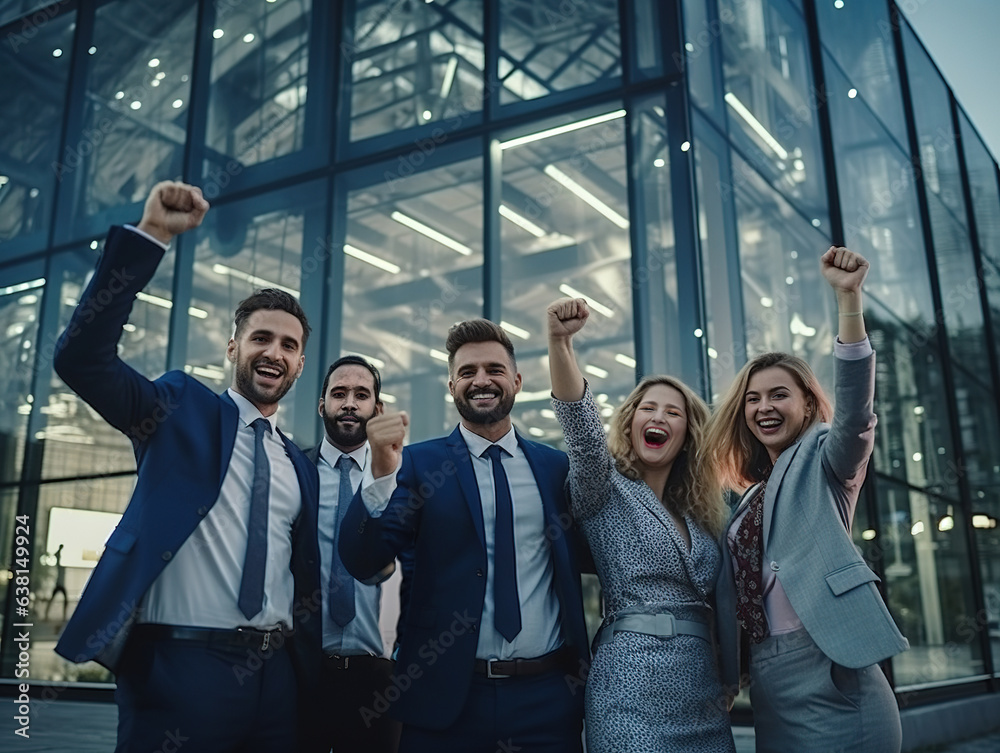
x,y
644,693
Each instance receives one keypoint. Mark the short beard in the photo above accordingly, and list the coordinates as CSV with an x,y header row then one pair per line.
x,y
246,386
475,416
341,437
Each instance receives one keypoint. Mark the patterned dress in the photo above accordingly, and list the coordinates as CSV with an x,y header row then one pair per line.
x,y
644,693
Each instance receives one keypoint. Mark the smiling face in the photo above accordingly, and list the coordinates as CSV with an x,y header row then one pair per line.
x,y
267,354
659,427
776,408
484,382
347,405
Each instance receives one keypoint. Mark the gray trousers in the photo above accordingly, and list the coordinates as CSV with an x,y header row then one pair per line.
x,y
803,702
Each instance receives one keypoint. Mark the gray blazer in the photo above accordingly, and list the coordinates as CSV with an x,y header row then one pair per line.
x,y
807,542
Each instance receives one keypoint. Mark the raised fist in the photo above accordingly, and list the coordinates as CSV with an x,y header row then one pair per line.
x,y
844,270
171,209
567,317
386,434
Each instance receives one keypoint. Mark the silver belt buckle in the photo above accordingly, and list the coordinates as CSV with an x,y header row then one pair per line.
x,y
664,624
491,674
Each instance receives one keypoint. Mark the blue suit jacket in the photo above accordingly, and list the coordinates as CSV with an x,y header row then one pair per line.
x,y
183,435
436,509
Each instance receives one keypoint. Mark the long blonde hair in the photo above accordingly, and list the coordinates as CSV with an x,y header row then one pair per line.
x,y
736,456
691,488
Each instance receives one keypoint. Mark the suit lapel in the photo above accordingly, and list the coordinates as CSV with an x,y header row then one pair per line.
x,y
229,417
467,481
774,485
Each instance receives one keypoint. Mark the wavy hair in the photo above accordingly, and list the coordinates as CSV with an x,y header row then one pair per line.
x,y
736,456
691,488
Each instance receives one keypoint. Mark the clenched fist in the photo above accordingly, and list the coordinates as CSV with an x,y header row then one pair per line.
x,y
171,209
386,434
845,270
567,317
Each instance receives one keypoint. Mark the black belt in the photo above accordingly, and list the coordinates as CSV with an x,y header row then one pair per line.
x,y
359,661
245,636
562,659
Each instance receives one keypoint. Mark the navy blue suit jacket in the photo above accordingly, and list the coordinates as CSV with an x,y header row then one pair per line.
x,y
183,435
436,510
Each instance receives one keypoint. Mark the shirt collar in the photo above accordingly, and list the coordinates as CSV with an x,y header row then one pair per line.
x,y
478,445
249,412
331,454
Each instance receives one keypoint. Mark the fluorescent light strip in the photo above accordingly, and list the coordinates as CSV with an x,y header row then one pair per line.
x,y
521,221
221,269
387,398
431,233
209,372
368,258
515,330
449,77
22,286
521,140
596,371
164,303
378,363
571,185
758,128
439,355
625,360
596,305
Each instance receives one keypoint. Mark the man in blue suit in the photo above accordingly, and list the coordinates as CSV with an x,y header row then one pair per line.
x,y
495,648
205,602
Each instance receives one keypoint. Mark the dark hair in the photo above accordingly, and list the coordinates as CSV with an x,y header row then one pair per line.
x,y
271,299
353,361
477,331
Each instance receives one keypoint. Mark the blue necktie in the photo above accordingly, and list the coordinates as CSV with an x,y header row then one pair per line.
x,y
341,587
507,619
251,599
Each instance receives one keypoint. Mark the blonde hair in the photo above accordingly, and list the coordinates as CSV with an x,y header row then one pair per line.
x,y
691,488
737,457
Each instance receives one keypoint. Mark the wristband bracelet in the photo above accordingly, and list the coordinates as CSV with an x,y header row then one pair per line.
x,y
851,313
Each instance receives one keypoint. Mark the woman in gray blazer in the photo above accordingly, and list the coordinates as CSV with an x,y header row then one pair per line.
x,y
793,587
651,517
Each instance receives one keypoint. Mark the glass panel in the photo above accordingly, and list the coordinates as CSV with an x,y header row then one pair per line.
x,y
412,268
77,440
8,509
32,89
79,516
858,39
770,100
928,585
701,49
646,25
251,244
913,441
879,202
256,108
787,304
547,46
564,232
983,186
414,63
136,101
20,305
935,134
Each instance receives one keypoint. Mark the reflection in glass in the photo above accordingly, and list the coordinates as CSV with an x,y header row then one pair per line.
x,y
20,303
32,88
135,124
257,103
414,63
787,304
78,441
878,199
564,232
912,442
548,46
770,99
927,579
412,268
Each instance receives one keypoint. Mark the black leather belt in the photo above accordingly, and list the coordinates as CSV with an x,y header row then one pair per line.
x,y
359,661
560,659
245,636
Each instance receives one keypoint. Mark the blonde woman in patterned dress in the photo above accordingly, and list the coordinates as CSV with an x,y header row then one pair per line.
x,y
651,521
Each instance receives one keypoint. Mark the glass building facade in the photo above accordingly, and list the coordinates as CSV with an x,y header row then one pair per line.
x,y
402,165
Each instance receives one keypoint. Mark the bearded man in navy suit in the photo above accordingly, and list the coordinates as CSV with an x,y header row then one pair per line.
x,y
205,602
494,648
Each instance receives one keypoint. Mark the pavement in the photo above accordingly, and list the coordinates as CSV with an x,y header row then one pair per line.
x,y
85,727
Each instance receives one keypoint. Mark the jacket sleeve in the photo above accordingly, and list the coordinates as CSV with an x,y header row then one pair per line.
x,y
852,432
